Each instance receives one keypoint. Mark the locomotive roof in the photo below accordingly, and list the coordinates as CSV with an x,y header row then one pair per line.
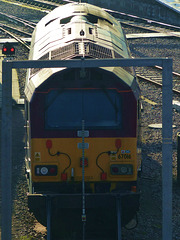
x,y
73,9
67,13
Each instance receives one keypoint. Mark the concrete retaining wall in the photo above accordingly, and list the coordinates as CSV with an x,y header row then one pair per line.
x,y
151,9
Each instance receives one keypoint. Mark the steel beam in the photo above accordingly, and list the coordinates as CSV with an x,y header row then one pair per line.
x,y
89,63
6,151
167,150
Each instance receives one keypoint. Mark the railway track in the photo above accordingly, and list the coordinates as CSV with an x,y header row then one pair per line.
x,y
126,19
14,32
154,76
172,31
21,41
17,20
39,5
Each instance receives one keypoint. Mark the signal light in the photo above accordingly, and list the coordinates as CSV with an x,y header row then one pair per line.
x,y
8,49
4,50
12,50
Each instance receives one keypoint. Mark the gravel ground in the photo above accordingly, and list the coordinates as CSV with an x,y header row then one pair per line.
x,y
150,213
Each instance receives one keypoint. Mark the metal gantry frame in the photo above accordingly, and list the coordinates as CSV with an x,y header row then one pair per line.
x,y
6,128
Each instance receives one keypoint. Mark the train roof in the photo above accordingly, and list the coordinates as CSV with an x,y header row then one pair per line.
x,y
72,9
65,13
43,36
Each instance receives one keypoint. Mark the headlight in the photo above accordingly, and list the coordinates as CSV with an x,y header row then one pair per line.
x,y
121,169
44,170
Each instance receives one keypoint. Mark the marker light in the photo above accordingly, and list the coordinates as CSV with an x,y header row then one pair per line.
x,y
103,176
63,176
49,144
118,143
115,169
52,170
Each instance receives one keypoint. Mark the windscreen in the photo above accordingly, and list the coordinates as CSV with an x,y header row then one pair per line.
x,y
98,108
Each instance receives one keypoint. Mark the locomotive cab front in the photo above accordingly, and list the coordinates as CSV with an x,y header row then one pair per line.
x,y
108,110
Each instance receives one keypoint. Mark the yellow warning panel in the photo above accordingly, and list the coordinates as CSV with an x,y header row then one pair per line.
x,y
37,156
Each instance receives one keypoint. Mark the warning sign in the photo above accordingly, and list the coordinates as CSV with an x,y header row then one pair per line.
x,y
37,156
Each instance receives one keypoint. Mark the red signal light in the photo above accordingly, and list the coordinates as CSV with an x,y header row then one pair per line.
x,y
12,50
4,50
8,49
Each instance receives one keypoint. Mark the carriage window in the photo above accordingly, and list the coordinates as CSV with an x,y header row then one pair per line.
x,y
67,109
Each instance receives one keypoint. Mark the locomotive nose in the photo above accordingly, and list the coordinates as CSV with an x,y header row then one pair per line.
x,y
79,18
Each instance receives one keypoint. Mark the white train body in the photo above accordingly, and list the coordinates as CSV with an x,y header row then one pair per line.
x,y
71,31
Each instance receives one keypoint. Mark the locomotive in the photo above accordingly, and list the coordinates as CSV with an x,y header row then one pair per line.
x,y
65,104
